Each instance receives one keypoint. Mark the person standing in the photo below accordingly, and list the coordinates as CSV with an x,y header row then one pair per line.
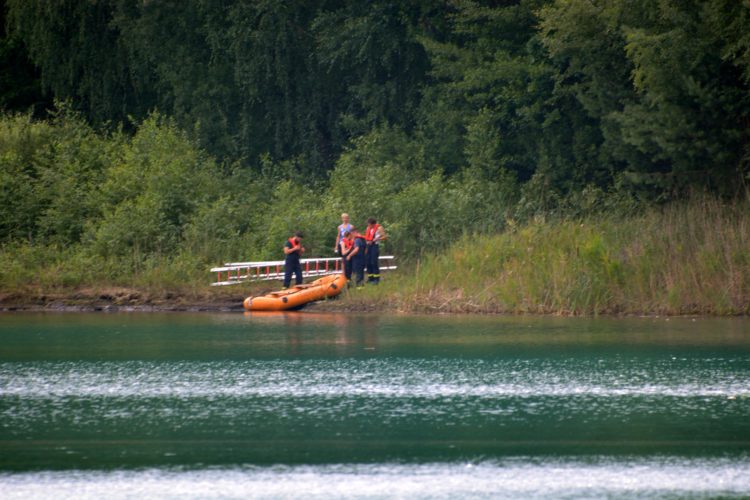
x,y
374,234
344,227
358,255
293,249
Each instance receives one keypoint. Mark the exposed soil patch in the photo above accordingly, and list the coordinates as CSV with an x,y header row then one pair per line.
x,y
122,299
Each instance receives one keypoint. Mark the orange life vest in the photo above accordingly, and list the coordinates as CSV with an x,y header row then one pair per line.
x,y
294,244
371,231
347,243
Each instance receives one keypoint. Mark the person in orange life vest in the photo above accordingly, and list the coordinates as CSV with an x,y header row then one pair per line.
x,y
293,249
357,257
344,227
346,245
373,236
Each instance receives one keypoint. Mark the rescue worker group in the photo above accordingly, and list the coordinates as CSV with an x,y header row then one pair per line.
x,y
357,251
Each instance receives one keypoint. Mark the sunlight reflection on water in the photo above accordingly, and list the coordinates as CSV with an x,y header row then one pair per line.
x,y
522,477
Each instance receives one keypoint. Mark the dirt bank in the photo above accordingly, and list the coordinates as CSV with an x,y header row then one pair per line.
x,y
122,299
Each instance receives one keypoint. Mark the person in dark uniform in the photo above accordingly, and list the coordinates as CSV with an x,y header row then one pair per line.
x,y
354,261
373,236
358,259
293,249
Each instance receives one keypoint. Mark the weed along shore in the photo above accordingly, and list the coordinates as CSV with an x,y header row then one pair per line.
x,y
684,259
691,258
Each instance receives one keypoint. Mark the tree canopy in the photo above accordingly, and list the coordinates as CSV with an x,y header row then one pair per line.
x,y
538,99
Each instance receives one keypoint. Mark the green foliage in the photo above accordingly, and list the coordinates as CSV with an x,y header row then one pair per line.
x,y
294,208
489,84
151,194
372,50
665,82
224,228
649,96
376,167
291,79
71,170
20,89
78,52
50,175
20,205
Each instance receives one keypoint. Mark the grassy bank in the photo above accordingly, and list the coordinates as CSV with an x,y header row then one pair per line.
x,y
690,258
687,258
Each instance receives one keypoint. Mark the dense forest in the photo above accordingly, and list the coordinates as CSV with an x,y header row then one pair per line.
x,y
207,130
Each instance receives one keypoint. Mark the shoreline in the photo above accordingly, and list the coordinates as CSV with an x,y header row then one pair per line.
x,y
104,307
124,302
131,299
121,299
177,303
54,308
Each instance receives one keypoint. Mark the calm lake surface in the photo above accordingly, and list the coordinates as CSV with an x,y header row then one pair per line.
x,y
316,405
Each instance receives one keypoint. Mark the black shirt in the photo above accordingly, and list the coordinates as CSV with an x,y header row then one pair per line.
x,y
291,258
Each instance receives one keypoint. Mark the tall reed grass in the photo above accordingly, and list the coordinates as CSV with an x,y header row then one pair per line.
x,y
687,258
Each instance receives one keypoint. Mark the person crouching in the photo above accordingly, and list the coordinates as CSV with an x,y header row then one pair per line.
x,y
346,246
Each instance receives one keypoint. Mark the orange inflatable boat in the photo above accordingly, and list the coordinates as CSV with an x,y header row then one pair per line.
x,y
297,296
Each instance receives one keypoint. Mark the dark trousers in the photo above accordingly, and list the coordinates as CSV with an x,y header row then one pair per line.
x,y
347,265
358,267
292,268
373,268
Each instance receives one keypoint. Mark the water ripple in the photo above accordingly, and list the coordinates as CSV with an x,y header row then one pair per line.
x,y
381,378
521,477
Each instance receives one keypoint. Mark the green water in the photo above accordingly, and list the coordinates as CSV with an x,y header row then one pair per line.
x,y
336,405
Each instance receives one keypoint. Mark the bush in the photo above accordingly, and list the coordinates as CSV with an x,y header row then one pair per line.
x,y
149,197
21,205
